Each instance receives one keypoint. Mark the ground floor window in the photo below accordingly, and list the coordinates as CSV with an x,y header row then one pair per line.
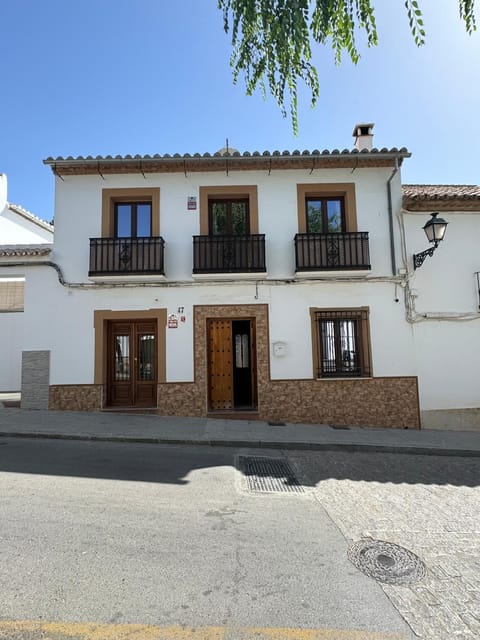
x,y
341,340
11,294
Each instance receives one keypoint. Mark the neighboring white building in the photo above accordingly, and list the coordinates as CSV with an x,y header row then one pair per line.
x,y
443,304
276,286
22,235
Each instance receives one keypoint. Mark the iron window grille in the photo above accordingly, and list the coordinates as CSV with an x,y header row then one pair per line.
x,y
342,343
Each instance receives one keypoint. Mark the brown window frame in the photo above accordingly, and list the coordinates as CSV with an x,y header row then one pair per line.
x,y
234,192
334,190
111,197
360,317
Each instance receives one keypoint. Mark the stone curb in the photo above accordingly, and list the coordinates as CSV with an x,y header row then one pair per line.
x,y
252,444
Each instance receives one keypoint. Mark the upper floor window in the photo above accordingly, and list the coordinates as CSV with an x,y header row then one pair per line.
x,y
326,208
229,210
229,217
131,212
133,219
325,214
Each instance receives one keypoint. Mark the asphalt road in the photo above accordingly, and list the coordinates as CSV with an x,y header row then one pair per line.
x,y
120,534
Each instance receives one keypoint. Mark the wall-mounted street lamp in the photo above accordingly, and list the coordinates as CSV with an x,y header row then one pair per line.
x,y
434,230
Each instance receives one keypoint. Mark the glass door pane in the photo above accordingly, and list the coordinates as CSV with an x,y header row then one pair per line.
x,y
146,357
144,220
314,216
334,216
123,220
239,218
122,358
218,219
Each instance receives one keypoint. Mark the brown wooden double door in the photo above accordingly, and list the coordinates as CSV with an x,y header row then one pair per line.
x,y
232,383
132,363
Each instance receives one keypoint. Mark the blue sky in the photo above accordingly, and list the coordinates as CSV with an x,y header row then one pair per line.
x,y
153,76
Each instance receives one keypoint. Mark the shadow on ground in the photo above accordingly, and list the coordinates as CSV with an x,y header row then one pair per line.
x,y
171,464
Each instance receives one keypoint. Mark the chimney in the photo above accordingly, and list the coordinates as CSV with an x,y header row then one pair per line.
x,y
363,136
3,191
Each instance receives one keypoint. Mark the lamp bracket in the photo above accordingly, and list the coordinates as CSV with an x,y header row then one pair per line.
x,y
419,258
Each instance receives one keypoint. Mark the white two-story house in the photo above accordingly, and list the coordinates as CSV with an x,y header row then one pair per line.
x,y
23,237
260,285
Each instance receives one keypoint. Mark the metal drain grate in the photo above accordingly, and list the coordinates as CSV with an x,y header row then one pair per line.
x,y
269,475
387,562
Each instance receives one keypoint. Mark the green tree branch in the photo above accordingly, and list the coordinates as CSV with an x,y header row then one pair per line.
x,y
271,40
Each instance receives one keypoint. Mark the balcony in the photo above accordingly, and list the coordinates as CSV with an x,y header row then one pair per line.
x,y
126,256
229,254
332,251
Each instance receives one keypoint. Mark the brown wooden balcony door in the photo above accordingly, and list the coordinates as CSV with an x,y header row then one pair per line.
x,y
132,364
231,360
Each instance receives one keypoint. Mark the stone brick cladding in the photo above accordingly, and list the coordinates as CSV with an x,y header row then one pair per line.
x,y
35,379
181,399
375,402
365,402
75,397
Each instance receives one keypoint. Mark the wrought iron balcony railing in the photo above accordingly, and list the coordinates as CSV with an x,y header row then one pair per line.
x,y
332,251
229,254
129,256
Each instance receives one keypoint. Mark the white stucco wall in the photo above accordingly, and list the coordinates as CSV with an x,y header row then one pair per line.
x,y
69,334
16,229
11,337
447,333
78,204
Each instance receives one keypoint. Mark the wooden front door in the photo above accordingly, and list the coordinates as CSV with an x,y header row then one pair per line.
x,y
132,363
231,364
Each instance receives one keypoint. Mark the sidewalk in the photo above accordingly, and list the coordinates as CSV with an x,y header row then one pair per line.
x,y
124,427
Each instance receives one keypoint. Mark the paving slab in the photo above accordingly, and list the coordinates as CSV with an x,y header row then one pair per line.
x,y
129,427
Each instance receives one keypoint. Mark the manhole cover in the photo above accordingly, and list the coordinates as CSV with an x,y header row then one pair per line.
x,y
268,475
386,562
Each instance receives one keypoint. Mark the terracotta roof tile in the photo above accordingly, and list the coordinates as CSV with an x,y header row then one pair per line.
x,y
441,197
441,191
12,250
232,153
231,161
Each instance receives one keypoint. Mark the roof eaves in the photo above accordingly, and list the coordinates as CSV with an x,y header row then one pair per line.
x,y
246,156
235,154
10,250
30,216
